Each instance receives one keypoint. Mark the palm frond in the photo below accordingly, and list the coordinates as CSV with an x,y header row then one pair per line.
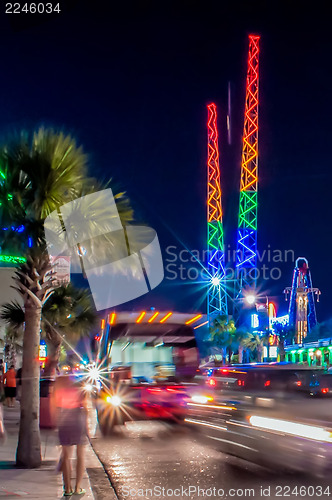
x,y
13,314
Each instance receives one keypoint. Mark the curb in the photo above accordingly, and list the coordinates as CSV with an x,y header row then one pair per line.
x,y
100,483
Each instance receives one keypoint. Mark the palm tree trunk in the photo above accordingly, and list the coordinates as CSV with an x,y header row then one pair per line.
x,y
240,353
28,452
259,353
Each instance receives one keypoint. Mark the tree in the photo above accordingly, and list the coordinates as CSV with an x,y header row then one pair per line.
x,y
224,336
253,342
67,315
39,174
33,281
284,332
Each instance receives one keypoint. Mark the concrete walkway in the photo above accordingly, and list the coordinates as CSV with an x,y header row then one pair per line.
x,y
36,483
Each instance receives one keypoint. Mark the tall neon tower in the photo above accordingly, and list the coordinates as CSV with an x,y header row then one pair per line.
x,y
217,297
247,221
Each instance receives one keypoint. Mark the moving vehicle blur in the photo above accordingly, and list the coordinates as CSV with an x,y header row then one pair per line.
x,y
122,399
262,433
278,379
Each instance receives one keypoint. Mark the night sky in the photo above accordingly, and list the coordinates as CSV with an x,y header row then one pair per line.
x,y
131,82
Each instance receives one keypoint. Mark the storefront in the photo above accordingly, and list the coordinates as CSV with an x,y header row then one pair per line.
x,y
317,353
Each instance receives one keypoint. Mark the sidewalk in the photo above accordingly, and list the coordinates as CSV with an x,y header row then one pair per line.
x,y
35,483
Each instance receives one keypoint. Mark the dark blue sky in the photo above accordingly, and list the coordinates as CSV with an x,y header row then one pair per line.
x,y
131,83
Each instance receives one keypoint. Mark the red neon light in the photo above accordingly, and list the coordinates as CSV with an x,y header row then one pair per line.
x,y
212,382
214,190
192,320
325,390
299,383
267,383
249,176
140,317
166,317
153,317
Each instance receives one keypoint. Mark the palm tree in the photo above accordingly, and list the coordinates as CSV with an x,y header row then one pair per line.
x,y
254,344
224,336
67,315
34,282
39,174
283,332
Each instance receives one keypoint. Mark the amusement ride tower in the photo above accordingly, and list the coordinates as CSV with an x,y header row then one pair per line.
x,y
217,296
247,219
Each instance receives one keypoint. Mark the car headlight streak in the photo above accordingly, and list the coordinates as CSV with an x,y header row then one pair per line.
x,y
292,428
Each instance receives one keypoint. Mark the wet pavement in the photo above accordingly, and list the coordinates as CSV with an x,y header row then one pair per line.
x,y
150,460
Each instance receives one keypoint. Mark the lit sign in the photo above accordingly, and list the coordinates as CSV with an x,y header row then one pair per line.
x,y
283,320
42,351
273,351
254,321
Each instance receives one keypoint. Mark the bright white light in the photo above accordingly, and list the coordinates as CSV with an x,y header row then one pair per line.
x,y
114,400
215,281
201,399
251,299
88,387
94,373
292,428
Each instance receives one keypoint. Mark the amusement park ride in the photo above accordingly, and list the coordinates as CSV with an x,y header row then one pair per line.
x,y
302,314
246,260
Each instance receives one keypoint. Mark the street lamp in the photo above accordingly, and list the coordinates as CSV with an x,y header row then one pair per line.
x,y
250,299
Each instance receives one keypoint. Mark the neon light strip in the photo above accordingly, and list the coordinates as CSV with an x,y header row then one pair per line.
x,y
153,317
140,317
112,318
195,318
166,317
12,259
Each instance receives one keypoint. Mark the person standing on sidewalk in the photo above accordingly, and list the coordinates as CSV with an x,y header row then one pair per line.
x,y
10,386
2,390
2,427
72,423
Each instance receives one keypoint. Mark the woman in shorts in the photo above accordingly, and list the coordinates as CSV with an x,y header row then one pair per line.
x,y
71,404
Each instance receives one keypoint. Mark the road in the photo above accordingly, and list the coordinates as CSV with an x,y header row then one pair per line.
x,y
152,455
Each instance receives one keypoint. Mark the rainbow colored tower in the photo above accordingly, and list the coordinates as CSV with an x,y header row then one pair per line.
x,y
247,221
217,296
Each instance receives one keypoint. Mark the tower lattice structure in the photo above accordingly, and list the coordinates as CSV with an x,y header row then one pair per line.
x,y
247,221
217,295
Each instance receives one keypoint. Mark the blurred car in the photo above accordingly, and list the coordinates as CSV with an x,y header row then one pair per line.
x,y
268,437
122,399
259,379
